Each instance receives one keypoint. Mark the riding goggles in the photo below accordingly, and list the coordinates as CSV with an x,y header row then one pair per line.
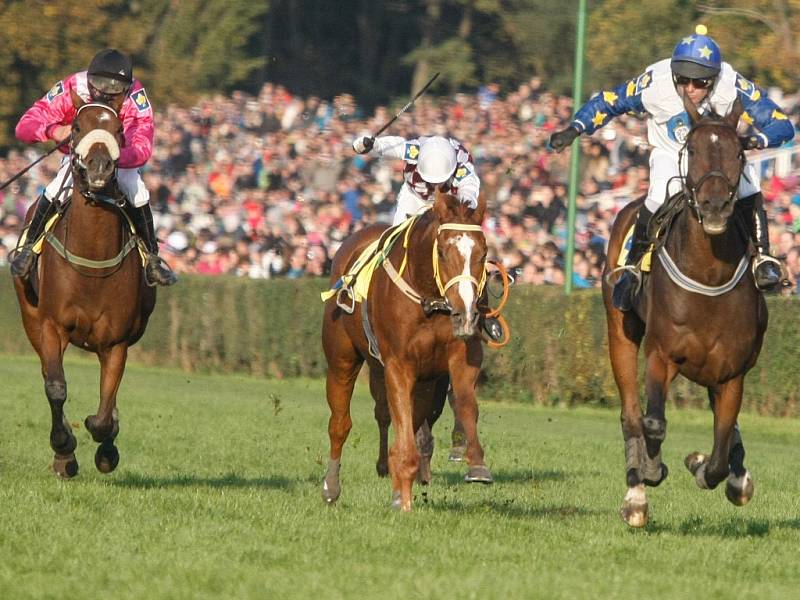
x,y
108,85
701,83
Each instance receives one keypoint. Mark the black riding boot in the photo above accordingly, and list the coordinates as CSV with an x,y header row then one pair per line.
x,y
625,288
491,325
156,271
23,261
766,268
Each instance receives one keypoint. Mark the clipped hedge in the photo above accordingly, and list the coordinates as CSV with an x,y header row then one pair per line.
x,y
558,353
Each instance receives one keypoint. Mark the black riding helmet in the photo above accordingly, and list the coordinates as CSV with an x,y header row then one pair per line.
x,y
110,73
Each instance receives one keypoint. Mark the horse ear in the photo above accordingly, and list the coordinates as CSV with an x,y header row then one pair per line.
x,y
733,117
77,101
440,207
480,210
691,109
117,102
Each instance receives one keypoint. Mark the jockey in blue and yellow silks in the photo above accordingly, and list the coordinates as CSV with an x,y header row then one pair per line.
x,y
697,70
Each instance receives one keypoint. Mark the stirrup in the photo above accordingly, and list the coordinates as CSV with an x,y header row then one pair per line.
x,y
761,259
161,272
341,303
25,253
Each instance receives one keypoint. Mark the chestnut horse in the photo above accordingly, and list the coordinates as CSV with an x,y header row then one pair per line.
x,y
419,348
89,287
704,319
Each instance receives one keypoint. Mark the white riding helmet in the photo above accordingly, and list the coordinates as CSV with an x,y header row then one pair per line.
x,y
437,160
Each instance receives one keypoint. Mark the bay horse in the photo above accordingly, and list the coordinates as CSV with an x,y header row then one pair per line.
x,y
89,288
420,348
699,314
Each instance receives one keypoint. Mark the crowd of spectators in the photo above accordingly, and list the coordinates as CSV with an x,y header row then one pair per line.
x,y
269,186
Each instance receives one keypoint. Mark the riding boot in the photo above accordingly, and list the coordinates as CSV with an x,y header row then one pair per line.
x,y
156,270
628,283
491,325
25,257
766,268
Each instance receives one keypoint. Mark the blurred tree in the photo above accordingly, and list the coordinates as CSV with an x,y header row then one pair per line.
x,y
198,46
762,37
41,42
623,38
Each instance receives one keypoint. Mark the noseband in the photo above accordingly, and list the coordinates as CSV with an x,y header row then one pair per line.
x,y
690,189
443,287
79,151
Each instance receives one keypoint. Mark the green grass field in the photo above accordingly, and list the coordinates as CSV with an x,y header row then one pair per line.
x,y
218,496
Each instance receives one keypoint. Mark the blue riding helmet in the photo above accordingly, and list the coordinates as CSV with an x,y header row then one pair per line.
x,y
697,56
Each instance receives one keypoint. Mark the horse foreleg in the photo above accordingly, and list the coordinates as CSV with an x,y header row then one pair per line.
x,y
623,350
104,426
377,387
339,383
710,471
658,377
464,377
740,486
458,441
403,455
62,441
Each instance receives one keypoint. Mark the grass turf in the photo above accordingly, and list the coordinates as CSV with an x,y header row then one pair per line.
x,y
218,496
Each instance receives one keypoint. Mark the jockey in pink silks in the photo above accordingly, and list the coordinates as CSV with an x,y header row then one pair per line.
x,y
110,74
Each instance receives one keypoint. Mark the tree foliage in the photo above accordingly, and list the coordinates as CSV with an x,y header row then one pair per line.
x,y
379,51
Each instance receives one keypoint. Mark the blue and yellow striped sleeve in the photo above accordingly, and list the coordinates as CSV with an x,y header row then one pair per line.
x,y
604,106
773,125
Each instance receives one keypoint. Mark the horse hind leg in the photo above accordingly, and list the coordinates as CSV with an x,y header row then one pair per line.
x,y
62,440
624,336
377,387
430,402
104,426
339,383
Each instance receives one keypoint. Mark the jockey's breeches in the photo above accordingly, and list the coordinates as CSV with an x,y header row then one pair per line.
x,y
408,204
129,181
665,180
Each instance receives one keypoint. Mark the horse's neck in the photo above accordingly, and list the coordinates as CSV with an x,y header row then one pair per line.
x,y
420,259
711,260
93,232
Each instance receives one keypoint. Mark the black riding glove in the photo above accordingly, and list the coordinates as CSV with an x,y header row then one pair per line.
x,y
364,144
751,142
562,139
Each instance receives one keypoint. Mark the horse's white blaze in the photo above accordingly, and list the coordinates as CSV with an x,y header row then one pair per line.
x,y
98,136
713,138
466,289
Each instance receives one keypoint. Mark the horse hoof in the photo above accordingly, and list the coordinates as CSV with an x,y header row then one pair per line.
x,y
740,490
106,458
457,453
330,491
696,463
66,467
634,515
397,502
479,474
654,482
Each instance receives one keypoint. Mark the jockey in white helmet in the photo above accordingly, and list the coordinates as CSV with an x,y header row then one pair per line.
x,y
431,163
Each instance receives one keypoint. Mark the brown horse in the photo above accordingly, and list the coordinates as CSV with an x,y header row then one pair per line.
x,y
419,348
704,319
89,287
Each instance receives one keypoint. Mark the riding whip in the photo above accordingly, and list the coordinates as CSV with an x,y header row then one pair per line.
x,y
34,163
407,106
